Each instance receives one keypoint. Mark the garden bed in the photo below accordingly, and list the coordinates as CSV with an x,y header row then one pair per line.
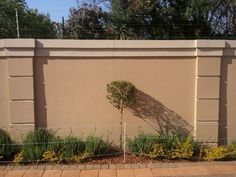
x,y
43,146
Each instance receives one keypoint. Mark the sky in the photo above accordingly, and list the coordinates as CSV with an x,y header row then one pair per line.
x,y
56,8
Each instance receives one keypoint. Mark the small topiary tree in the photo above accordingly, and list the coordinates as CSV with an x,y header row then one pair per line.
x,y
121,94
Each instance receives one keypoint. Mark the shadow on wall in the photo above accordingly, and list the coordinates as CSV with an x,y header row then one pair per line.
x,y
39,86
158,116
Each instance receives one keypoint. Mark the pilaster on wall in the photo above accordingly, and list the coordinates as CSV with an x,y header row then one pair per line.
x,y
21,87
208,75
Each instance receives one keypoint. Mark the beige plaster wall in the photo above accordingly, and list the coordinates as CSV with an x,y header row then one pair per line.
x,y
228,99
61,84
71,93
4,94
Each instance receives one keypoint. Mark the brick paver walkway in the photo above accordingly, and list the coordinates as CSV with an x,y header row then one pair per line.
x,y
203,169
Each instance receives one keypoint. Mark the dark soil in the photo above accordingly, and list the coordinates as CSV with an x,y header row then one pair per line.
x,y
130,158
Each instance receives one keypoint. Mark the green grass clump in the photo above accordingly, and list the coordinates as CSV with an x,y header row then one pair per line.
x,y
7,146
143,143
178,146
39,141
72,146
96,145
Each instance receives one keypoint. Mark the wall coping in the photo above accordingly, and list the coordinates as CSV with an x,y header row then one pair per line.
x,y
115,48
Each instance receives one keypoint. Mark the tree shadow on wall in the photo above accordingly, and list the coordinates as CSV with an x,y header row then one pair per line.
x,y
158,116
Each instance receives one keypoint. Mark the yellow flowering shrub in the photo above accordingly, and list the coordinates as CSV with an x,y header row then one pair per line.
x,y
18,158
216,153
81,157
52,157
158,151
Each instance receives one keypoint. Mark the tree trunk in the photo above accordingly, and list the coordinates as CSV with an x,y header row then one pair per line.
x,y
121,124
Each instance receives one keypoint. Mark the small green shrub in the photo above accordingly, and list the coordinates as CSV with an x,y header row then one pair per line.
x,y
232,150
7,146
216,153
81,157
39,141
143,143
52,157
18,158
157,152
181,149
96,146
72,146
163,146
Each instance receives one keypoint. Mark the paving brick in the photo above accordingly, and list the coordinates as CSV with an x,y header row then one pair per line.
x,y
89,173
125,173
104,166
9,167
221,169
89,167
201,170
157,165
156,172
2,167
112,166
52,173
17,167
135,165
144,172
33,173
107,173
230,169
57,167
127,166
183,171
49,167
96,166
80,167
151,165
142,165
119,166
41,167
73,167
70,173
33,167
65,167
2,173
15,173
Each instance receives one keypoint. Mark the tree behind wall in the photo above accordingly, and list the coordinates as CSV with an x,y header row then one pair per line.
x,y
32,23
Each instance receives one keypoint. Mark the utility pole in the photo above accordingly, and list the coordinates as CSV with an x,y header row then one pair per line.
x,y
17,24
63,28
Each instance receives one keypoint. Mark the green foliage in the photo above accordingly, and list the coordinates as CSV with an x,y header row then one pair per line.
x,y
88,21
120,93
216,153
39,141
52,157
182,149
7,146
177,146
143,143
232,150
81,157
71,146
96,145
32,23
18,158
157,152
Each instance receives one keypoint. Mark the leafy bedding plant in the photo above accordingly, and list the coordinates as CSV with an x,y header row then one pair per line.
x,y
7,146
43,145
39,141
179,146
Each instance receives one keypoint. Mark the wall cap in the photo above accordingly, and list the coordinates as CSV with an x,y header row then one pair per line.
x,y
115,48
